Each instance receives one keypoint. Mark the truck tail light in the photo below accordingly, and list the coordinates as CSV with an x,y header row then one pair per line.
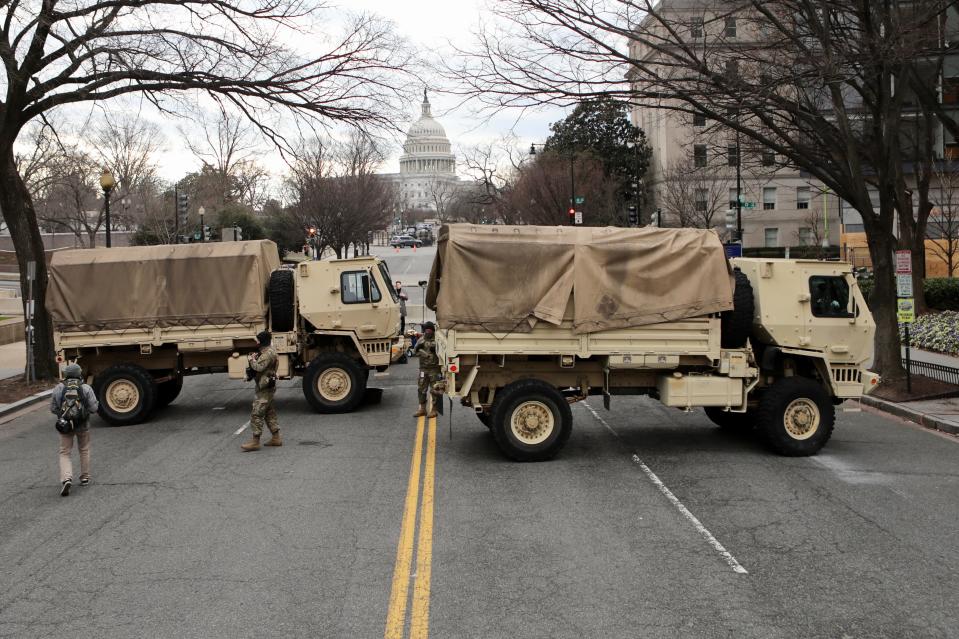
x,y
454,365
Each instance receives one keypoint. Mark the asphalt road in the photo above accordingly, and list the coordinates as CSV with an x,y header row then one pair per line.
x,y
652,522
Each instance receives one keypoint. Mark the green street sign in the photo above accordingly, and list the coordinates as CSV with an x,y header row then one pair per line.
x,y
580,199
749,205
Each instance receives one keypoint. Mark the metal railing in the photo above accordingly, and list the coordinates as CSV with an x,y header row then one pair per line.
x,y
947,374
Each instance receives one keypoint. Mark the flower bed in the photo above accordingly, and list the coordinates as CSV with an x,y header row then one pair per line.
x,y
934,332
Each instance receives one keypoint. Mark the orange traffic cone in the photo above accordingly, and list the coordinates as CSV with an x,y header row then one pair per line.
x,y
414,248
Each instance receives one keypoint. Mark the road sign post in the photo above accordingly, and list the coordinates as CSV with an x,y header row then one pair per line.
x,y
905,305
579,218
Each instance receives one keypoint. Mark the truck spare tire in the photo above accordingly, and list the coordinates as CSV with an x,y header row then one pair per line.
x,y
281,300
738,323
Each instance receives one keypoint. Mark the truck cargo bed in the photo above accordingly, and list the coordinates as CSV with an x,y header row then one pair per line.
x,y
693,336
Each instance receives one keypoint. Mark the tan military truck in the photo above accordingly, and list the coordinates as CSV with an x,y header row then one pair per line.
x,y
140,319
532,319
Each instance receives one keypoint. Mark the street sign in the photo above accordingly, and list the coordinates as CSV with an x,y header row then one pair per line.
x,y
733,249
903,285
906,311
579,217
580,199
749,205
903,261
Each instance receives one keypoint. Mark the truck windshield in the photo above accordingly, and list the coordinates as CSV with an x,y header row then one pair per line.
x,y
830,296
385,274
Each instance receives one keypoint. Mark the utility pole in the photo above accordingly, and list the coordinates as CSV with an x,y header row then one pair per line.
x,y
739,187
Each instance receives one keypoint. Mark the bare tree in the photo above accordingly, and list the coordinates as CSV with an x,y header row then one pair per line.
x,y
58,53
696,197
826,86
442,194
494,167
943,227
70,202
128,146
814,230
336,191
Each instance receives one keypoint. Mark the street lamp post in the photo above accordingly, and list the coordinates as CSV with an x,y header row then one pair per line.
x,y
201,211
572,183
107,183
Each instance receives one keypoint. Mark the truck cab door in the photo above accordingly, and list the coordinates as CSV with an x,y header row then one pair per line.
x,y
832,310
367,303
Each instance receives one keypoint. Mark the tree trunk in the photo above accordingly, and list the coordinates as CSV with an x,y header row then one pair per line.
x,y
21,220
887,359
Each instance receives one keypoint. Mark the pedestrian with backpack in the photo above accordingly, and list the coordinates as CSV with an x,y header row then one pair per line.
x,y
73,402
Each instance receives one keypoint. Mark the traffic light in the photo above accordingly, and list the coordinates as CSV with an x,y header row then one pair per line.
x,y
633,216
182,207
572,216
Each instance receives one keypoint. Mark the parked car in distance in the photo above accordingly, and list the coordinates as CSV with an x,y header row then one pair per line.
x,y
404,241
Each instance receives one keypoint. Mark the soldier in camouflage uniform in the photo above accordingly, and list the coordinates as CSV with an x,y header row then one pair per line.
x,y
263,365
429,366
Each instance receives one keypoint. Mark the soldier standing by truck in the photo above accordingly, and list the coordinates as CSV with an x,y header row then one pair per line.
x,y
429,367
262,370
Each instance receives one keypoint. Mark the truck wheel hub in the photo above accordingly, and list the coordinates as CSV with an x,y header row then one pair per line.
x,y
122,395
801,418
334,384
532,422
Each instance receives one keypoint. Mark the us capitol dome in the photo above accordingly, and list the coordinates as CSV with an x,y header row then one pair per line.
x,y
427,177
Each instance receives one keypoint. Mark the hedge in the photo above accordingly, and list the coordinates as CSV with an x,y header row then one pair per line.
x,y
942,293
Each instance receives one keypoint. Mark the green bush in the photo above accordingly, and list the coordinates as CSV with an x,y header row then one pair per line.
x,y
942,293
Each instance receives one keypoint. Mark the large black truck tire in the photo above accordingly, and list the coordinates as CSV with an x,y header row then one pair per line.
x,y
168,391
796,416
281,300
531,420
738,323
127,394
334,383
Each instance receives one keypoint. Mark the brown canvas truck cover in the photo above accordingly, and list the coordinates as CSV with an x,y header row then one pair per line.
x,y
145,287
506,278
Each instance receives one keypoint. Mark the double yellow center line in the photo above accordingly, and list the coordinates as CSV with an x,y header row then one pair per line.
x,y
399,596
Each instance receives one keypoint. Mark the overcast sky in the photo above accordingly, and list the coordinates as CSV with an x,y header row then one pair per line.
x,y
429,25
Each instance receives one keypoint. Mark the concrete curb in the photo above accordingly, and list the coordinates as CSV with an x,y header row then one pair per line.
x,y
25,402
923,419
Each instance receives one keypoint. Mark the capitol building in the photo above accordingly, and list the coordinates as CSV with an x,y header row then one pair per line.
x,y
427,179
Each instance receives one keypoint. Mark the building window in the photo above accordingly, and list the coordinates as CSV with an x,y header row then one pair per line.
x,y
730,27
732,69
769,158
732,153
802,198
699,119
769,198
702,200
699,155
805,236
696,29
771,237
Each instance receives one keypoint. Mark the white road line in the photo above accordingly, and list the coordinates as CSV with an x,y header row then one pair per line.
x,y
241,429
708,536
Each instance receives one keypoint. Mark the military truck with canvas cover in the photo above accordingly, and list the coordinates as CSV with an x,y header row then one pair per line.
x,y
531,319
140,319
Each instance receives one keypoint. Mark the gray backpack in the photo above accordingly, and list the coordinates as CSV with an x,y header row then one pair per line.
x,y
72,411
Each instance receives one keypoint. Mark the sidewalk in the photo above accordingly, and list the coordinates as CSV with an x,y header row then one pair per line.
x,y
13,359
919,355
